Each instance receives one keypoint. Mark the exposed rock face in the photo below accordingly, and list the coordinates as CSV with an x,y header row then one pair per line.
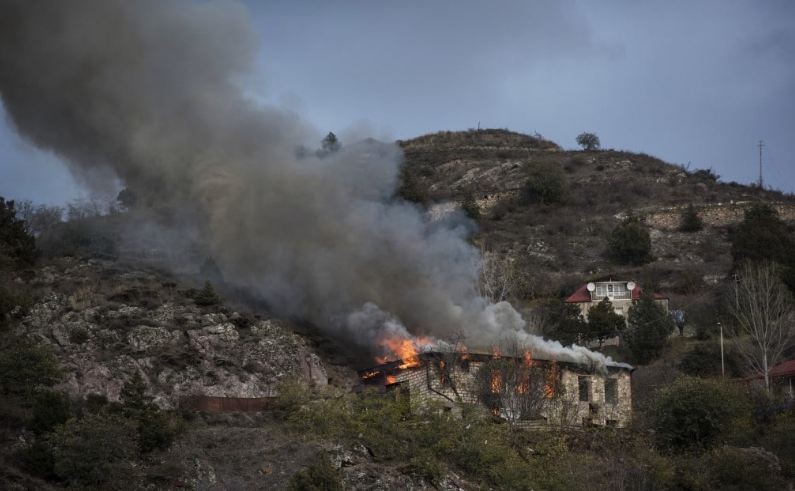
x,y
179,348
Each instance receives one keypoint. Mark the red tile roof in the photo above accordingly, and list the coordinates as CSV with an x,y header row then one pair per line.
x,y
582,295
785,369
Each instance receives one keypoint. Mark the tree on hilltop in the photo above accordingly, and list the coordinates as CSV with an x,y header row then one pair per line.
x,y
588,141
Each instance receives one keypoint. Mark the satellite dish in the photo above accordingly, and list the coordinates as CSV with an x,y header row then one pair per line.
x,y
631,285
591,287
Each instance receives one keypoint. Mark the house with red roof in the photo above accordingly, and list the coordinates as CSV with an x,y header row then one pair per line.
x,y
622,294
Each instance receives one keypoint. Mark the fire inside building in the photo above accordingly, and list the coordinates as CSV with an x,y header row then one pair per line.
x,y
523,389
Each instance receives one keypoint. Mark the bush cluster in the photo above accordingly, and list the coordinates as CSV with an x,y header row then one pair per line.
x,y
629,242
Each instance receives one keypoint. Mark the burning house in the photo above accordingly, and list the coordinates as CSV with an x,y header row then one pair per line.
x,y
524,390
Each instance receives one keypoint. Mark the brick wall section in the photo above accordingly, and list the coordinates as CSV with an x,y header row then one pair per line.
x,y
714,215
424,384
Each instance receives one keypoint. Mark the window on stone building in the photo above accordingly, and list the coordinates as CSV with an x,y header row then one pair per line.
x,y
611,391
585,388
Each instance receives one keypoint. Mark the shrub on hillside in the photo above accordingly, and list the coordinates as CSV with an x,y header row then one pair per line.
x,y
50,409
14,302
694,414
79,238
206,297
96,451
690,221
649,326
545,185
629,242
320,476
17,245
25,367
762,236
703,360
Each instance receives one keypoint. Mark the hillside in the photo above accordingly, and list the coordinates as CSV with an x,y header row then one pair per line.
x,y
559,246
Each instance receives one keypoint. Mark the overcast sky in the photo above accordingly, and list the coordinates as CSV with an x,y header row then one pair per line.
x,y
686,81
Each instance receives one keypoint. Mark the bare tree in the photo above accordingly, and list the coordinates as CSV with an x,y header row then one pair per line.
x,y
497,276
764,317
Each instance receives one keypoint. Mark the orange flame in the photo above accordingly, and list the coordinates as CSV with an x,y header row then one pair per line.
x,y
527,358
495,352
404,349
496,381
390,379
552,380
463,352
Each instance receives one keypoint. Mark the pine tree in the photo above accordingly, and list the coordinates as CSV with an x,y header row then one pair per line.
x,y
630,243
648,329
604,322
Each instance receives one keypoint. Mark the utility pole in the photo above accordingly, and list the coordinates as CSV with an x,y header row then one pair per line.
x,y
722,365
760,145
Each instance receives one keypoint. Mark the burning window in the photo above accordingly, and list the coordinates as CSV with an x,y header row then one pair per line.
x,y
611,391
585,388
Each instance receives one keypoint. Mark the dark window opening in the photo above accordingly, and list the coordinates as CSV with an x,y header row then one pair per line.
x,y
585,388
611,391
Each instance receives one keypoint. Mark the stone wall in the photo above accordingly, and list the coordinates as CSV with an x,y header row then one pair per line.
x,y
713,215
425,383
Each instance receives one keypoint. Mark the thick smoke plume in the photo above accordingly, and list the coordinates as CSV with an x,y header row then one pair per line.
x,y
151,90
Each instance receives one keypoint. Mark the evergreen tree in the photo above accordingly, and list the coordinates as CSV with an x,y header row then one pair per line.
x,y
207,296
134,397
563,322
764,236
604,322
545,185
648,329
690,221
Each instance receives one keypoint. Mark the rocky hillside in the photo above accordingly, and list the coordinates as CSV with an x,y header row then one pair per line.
x,y
561,244
106,321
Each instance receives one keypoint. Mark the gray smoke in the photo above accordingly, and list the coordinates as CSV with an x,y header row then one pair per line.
x,y
152,90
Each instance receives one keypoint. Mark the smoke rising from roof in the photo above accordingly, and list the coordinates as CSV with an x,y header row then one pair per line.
x,y
151,90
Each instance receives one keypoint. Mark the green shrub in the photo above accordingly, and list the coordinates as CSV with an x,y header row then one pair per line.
x,y
156,431
206,297
25,367
14,302
703,360
96,451
545,185
693,414
320,476
762,236
17,245
690,221
88,237
738,469
37,458
50,409
629,242
78,335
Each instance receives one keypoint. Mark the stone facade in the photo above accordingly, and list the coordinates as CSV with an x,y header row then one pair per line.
x,y
582,396
713,215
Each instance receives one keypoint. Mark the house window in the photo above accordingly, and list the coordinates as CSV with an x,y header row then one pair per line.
x,y
611,391
585,388
617,290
